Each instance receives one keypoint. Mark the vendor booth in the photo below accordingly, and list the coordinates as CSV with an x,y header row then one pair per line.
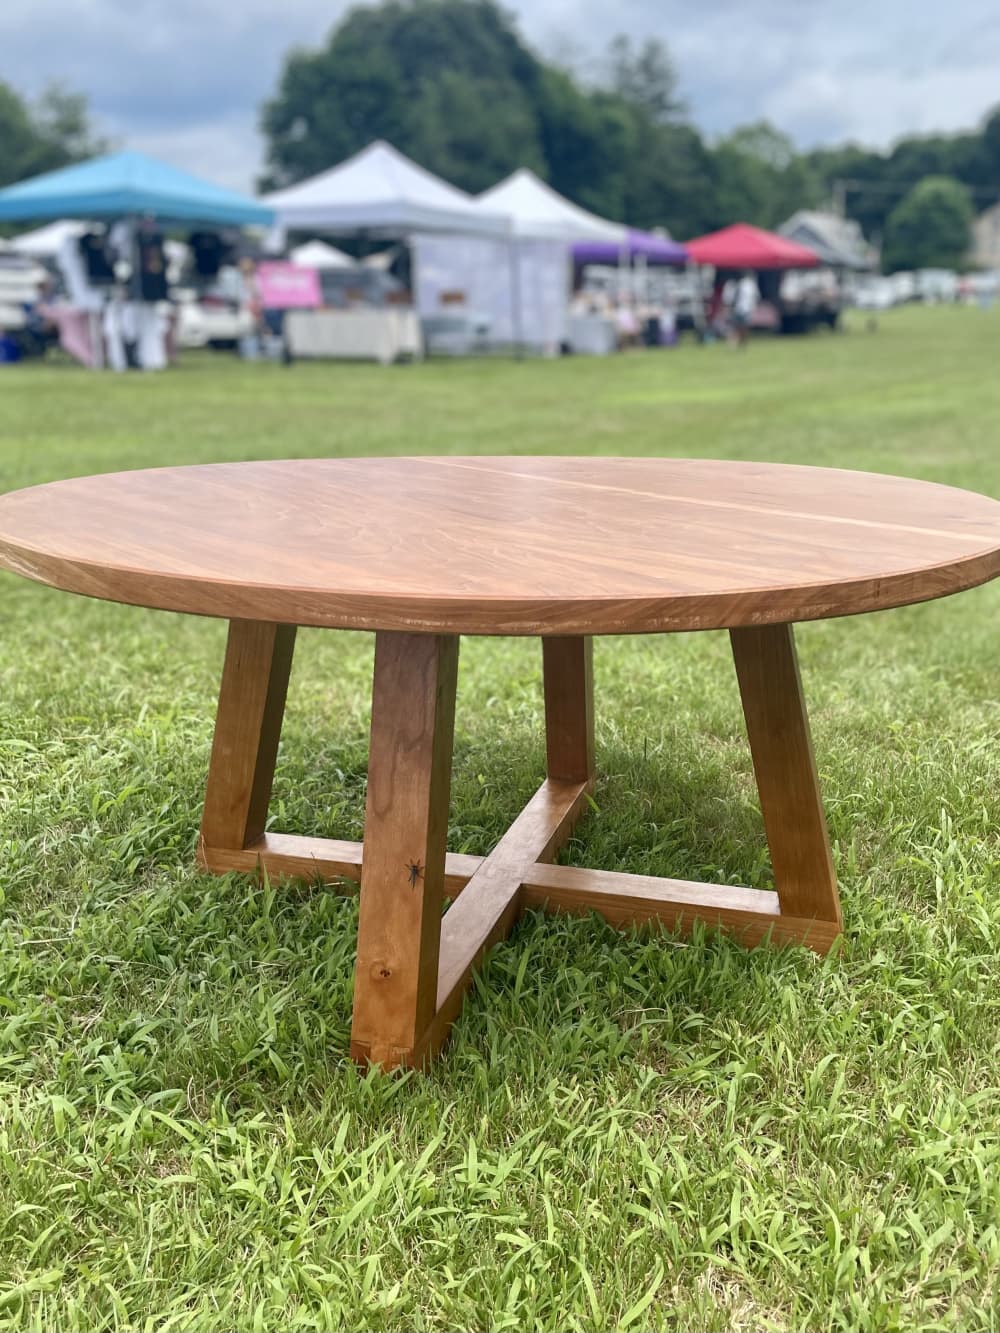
x,y
116,274
518,290
632,269
379,193
741,249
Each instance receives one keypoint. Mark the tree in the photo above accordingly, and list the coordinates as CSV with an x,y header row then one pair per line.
x,y
645,78
930,228
669,180
449,82
760,178
52,132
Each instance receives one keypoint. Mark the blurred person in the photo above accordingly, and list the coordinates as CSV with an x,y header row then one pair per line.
x,y
715,312
745,300
627,325
250,346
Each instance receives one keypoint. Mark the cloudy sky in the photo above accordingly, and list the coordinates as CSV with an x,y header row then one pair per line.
x,y
183,78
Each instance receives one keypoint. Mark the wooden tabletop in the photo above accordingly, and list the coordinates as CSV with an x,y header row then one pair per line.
x,y
504,545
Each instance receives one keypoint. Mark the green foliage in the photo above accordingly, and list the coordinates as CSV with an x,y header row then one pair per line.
x,y
628,1131
645,79
52,132
761,178
930,228
446,81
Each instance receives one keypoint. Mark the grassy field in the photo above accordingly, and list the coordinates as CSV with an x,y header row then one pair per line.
x,y
628,1131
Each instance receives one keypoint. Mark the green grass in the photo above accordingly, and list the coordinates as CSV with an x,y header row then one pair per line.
x,y
628,1131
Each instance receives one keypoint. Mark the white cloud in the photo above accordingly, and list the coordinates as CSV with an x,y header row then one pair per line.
x,y
227,151
876,107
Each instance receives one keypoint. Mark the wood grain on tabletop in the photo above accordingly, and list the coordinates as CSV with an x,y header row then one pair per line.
x,y
533,545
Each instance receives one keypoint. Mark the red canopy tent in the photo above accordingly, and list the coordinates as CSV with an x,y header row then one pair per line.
x,y
743,246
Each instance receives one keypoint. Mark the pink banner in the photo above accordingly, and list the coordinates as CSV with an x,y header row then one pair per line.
x,y
283,286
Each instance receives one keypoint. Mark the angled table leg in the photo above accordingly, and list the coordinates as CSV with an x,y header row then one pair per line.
x,y
781,746
406,830
247,730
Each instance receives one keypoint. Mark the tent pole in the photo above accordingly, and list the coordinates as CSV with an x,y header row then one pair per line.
x,y
516,310
693,271
414,263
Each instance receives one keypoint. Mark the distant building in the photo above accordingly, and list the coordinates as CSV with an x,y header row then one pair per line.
x,y
985,251
838,241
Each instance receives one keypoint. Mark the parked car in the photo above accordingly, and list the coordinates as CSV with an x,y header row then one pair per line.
x,y
211,320
874,293
904,287
22,281
937,285
808,299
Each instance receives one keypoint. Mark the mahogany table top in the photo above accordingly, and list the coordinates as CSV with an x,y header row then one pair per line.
x,y
514,545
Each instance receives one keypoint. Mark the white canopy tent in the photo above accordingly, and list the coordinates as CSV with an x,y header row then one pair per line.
x,y
539,212
380,191
319,255
522,287
46,242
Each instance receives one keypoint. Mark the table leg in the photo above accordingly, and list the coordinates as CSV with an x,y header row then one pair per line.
x,y
247,729
403,861
568,674
781,746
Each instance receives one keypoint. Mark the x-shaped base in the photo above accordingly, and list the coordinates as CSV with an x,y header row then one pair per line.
x,y
415,964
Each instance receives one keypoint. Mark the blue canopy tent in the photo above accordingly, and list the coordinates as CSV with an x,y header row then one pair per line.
x,y
129,184
125,187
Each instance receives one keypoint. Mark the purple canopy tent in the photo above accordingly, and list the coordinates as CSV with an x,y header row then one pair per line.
x,y
638,245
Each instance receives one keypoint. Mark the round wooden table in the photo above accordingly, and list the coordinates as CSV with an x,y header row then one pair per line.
x,y
421,550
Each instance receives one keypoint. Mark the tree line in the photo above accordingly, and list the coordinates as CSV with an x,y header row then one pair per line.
x,y
454,85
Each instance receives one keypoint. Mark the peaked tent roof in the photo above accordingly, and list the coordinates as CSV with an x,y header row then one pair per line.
x,y
120,184
836,240
317,254
46,241
379,189
743,246
538,212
